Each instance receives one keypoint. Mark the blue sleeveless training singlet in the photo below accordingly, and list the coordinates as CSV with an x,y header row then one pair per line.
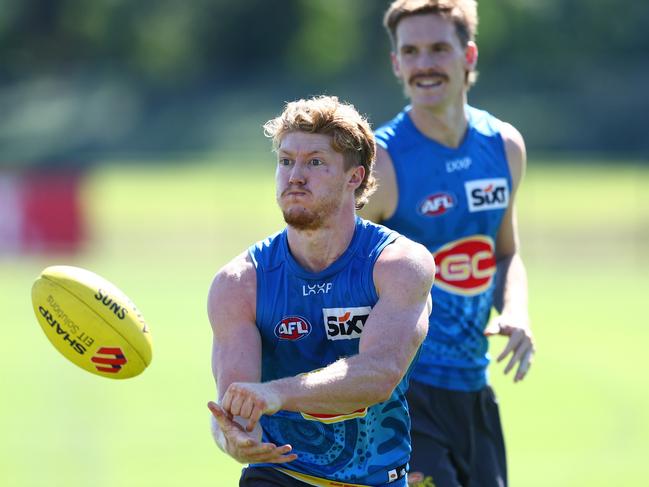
x,y
307,321
452,201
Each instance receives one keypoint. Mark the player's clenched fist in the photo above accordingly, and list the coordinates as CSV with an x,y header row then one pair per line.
x,y
250,401
244,446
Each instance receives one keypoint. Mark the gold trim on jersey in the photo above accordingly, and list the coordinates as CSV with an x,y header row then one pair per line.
x,y
334,418
316,481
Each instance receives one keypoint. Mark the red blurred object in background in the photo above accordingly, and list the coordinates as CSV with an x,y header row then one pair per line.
x,y
41,211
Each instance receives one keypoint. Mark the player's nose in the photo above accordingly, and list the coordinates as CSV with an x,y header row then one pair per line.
x,y
426,61
297,175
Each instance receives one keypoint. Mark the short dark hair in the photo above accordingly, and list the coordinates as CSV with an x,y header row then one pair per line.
x,y
463,13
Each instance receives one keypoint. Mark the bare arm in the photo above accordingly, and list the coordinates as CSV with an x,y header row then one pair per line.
x,y
510,296
236,357
383,203
391,336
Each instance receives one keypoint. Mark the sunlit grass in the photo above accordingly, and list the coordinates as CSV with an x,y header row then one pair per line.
x,y
161,232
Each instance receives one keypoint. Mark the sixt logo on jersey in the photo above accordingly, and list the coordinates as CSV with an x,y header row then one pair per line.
x,y
345,323
466,266
292,328
436,204
487,194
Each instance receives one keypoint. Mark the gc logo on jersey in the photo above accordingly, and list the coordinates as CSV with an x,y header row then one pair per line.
x,y
345,323
436,204
466,266
292,328
487,194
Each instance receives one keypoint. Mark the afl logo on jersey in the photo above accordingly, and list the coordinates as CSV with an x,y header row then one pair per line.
x,y
466,266
292,328
436,204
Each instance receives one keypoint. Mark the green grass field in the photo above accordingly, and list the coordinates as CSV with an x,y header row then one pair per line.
x,y
581,418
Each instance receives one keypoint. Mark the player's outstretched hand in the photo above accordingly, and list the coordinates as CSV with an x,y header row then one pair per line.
x,y
520,344
245,446
250,400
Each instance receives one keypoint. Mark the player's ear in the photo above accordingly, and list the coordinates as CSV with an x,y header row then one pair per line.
x,y
395,64
471,55
357,175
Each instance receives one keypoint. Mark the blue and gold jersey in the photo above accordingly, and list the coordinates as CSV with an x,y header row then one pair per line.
x,y
452,201
307,321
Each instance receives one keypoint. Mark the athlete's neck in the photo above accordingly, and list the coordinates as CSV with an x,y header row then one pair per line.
x,y
315,250
446,125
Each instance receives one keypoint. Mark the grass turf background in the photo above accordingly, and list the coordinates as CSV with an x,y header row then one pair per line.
x,y
581,418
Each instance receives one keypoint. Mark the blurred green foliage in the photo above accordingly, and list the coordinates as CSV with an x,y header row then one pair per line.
x,y
81,80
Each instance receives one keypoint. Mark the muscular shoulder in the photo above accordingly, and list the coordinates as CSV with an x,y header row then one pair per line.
x,y
515,150
233,289
405,266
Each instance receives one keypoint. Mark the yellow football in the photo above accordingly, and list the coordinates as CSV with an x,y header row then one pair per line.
x,y
91,322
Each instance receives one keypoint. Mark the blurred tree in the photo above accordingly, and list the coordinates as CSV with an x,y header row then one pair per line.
x,y
550,66
328,40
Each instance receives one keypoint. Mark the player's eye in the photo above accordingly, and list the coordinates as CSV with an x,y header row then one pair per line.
x,y
283,161
408,50
316,162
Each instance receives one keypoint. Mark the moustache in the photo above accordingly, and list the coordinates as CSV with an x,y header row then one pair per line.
x,y
427,74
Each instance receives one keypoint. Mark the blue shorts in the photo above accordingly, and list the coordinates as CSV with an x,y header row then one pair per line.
x,y
457,438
